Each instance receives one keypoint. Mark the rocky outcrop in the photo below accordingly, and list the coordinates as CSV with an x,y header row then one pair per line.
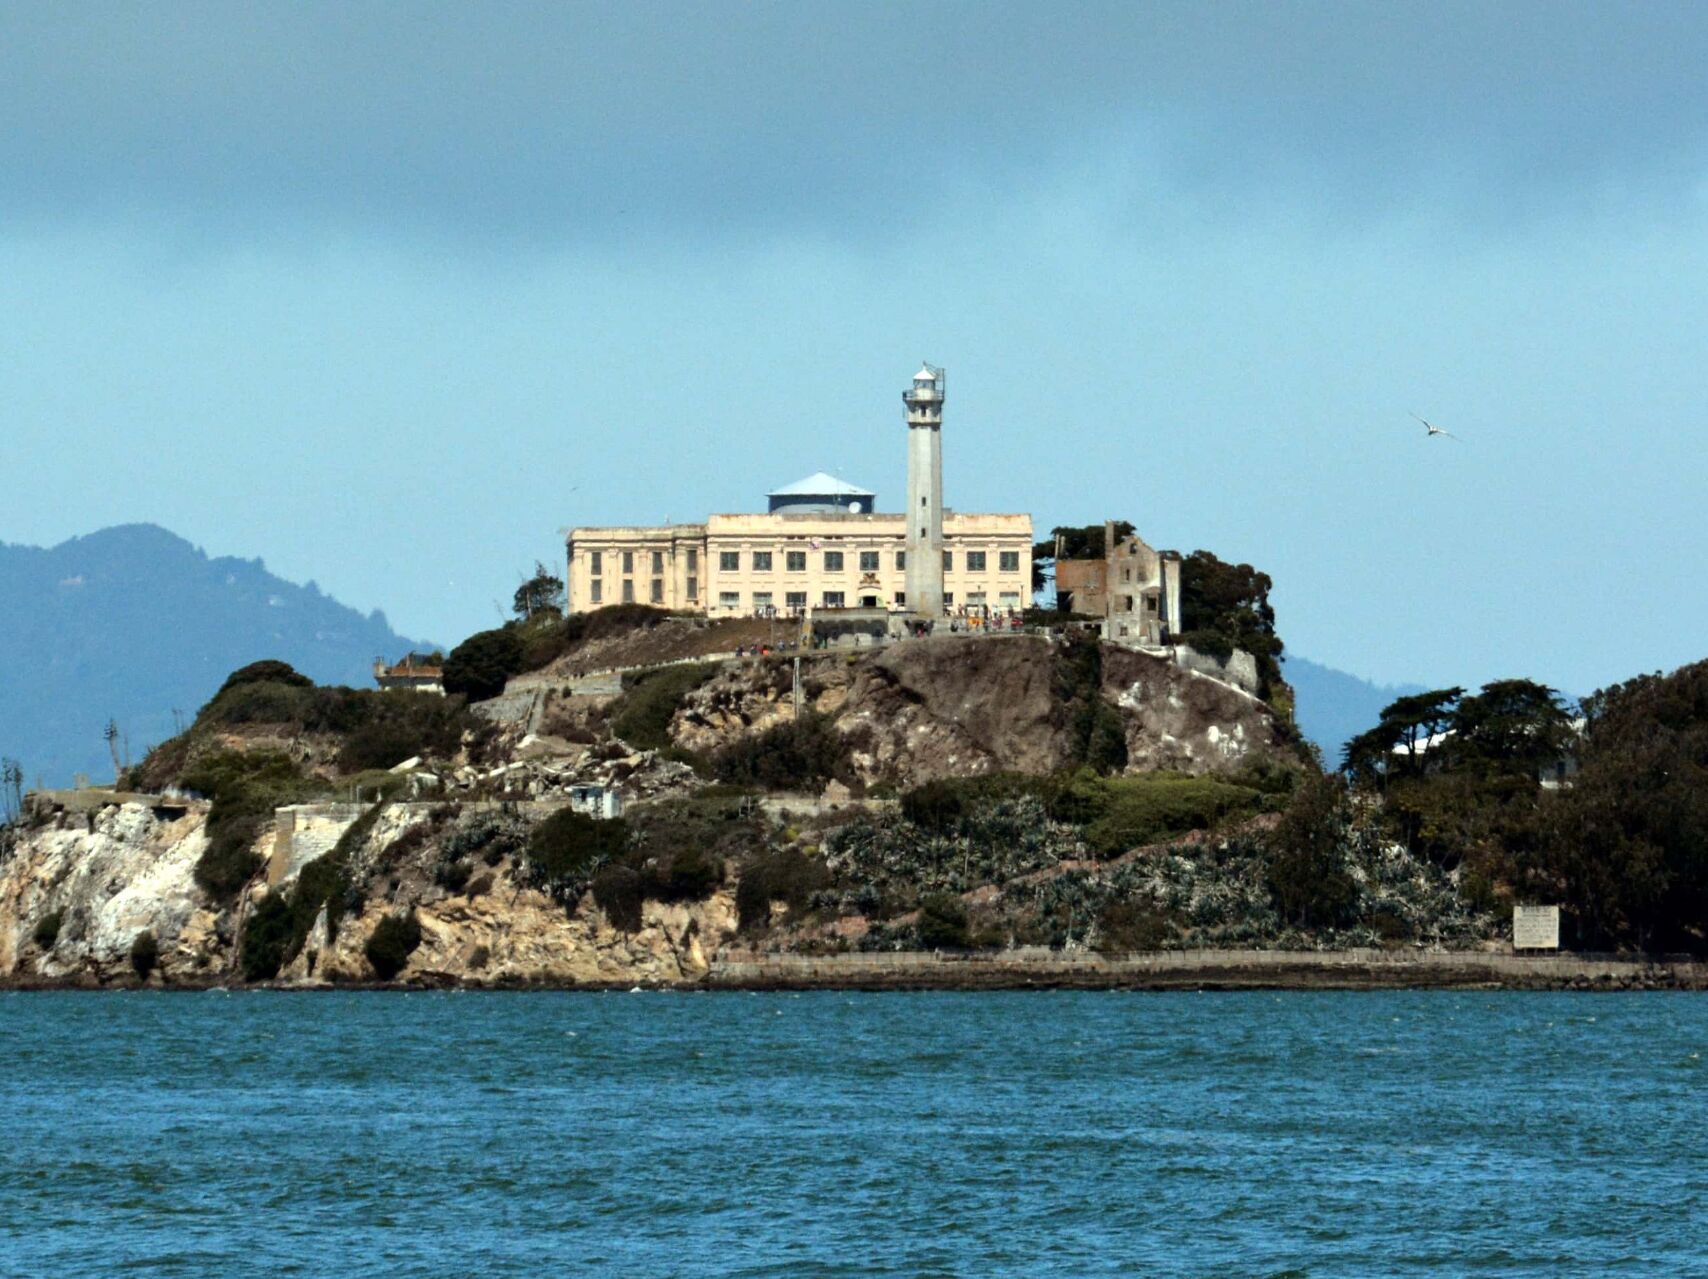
x,y
128,869
960,707
1183,720
109,875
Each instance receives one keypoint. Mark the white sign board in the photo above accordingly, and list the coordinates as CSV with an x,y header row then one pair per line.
x,y
1535,927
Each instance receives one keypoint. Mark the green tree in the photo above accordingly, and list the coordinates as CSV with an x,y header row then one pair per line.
x,y
541,593
1414,722
1511,726
1226,606
482,664
1307,867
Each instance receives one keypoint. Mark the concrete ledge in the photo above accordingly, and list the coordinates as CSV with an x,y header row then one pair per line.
x,y
1199,969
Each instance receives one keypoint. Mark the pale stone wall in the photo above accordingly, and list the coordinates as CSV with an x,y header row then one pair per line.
x,y
735,578
663,566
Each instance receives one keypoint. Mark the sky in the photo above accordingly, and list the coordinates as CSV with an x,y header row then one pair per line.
x,y
390,294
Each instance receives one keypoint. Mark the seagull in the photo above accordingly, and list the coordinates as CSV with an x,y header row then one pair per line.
x,y
1435,430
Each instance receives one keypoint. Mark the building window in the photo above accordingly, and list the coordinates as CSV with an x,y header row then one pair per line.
x,y
1008,561
658,590
948,598
1150,603
762,601
628,561
901,599
729,561
948,561
596,591
1126,575
1010,597
975,599
975,561
628,589
693,559
795,562
796,600
1126,603
729,599
901,561
762,561
596,562
658,561
693,588
833,599
833,561
868,561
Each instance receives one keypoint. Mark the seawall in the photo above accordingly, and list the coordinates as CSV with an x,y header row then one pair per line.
x,y
1199,969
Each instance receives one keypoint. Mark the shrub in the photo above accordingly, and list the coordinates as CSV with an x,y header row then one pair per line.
x,y
1128,926
650,701
394,939
1144,809
1307,863
482,664
942,922
617,890
268,672
144,954
266,935
244,789
787,876
46,932
567,849
688,875
801,754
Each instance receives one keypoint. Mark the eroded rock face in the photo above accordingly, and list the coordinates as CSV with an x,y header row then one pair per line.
x,y
512,936
915,712
112,875
1179,719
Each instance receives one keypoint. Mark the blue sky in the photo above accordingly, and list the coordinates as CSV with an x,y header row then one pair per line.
x,y
389,294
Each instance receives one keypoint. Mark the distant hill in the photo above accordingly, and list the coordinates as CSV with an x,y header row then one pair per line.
x,y
1334,707
132,623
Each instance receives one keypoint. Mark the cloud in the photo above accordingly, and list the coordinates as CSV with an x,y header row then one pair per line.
x,y
581,123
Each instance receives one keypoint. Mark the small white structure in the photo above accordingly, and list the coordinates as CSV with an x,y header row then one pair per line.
x,y
596,800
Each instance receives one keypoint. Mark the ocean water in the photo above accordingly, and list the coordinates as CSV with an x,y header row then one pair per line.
x,y
1030,1134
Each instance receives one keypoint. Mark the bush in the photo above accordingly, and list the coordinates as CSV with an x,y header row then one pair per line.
x,y
689,875
650,701
801,754
1148,808
265,672
617,890
942,922
266,935
567,849
144,954
1307,864
46,932
394,939
244,789
1126,926
482,664
787,876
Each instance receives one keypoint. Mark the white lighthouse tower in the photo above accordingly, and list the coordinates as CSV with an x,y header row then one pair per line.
x,y
924,401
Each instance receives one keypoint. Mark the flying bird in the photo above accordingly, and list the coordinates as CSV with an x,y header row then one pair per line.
x,y
1435,430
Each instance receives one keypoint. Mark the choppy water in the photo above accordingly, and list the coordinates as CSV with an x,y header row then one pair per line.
x,y
1026,1134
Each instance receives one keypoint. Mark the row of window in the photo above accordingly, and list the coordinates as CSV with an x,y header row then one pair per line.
x,y
794,601
796,561
596,591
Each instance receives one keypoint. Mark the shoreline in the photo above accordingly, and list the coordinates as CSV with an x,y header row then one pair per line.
x,y
1364,969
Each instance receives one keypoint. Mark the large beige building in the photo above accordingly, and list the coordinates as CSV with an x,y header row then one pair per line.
x,y
819,546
